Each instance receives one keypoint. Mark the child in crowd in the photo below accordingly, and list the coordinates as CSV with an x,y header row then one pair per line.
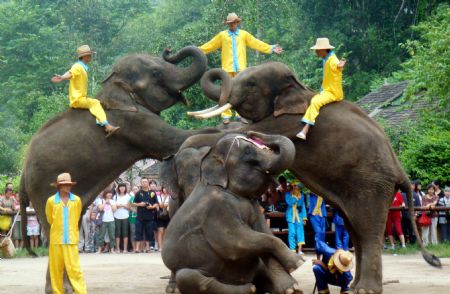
x,y
33,228
295,217
107,206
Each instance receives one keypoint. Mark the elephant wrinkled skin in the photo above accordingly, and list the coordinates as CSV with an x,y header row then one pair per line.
x,y
347,158
138,89
218,241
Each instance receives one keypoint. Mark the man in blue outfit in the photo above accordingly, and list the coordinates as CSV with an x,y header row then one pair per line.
x,y
341,234
317,216
333,269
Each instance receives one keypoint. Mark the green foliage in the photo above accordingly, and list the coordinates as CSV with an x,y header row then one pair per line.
x,y
425,150
428,69
38,39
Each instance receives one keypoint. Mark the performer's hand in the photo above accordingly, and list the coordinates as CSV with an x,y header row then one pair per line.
x,y
342,63
278,50
57,79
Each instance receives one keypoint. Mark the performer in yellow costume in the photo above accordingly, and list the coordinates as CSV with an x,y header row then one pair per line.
x,y
331,90
63,211
233,43
78,76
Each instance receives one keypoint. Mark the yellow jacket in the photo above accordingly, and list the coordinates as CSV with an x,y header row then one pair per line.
x,y
78,83
234,48
63,219
332,76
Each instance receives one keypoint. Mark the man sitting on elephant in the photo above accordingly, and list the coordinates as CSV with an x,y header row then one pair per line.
x,y
78,76
233,43
331,90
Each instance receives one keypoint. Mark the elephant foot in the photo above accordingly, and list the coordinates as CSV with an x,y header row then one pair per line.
x,y
295,261
172,288
367,287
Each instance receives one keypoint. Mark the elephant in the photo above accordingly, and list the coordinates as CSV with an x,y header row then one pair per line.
x,y
138,89
218,241
347,157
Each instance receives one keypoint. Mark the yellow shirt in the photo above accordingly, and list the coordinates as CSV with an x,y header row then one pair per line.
x,y
332,76
63,219
78,83
234,48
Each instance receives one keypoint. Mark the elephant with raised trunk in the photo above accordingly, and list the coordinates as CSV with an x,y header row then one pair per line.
x,y
347,158
218,240
138,89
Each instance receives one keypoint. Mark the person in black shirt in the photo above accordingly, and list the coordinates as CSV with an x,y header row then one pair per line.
x,y
147,203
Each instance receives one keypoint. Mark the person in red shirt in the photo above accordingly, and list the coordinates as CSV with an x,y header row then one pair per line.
x,y
395,218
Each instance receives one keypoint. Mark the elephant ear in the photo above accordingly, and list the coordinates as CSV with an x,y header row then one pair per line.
x,y
213,170
294,98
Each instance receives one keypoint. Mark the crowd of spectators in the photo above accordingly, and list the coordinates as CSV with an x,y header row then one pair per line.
x,y
126,219
120,220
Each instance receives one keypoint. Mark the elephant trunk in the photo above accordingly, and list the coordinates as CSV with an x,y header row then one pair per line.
x,y
215,92
186,77
283,151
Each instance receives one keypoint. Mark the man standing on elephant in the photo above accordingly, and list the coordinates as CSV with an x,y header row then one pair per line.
x,y
233,43
78,76
331,89
63,212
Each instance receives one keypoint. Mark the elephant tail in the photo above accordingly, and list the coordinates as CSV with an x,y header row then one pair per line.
x,y
432,259
23,215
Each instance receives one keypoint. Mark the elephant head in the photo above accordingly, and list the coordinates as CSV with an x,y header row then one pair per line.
x,y
257,92
154,83
245,164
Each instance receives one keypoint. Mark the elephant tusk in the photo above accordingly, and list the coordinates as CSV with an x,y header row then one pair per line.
x,y
215,112
192,113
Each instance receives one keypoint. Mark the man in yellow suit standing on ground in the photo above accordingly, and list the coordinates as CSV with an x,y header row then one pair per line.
x,y
63,211
233,43
78,76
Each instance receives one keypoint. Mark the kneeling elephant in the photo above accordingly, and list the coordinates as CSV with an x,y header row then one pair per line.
x,y
218,241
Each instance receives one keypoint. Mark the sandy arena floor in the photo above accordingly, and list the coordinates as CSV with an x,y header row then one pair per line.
x,y
140,273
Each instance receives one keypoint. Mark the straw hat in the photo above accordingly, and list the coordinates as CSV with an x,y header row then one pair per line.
x,y
63,179
84,50
343,260
232,17
322,43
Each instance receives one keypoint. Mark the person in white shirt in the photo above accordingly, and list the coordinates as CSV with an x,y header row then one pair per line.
x,y
106,206
163,218
121,215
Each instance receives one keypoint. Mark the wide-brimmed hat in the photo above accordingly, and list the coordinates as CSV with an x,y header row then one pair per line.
x,y
322,43
63,179
343,260
232,17
84,50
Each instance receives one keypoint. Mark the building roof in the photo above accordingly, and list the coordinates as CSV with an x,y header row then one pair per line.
x,y
151,171
386,103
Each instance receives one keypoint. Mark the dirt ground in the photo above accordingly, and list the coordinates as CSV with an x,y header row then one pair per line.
x,y
141,273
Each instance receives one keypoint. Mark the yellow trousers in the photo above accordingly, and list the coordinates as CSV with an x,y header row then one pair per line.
x,y
65,257
228,114
317,102
94,106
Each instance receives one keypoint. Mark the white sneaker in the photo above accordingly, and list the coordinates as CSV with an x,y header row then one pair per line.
x,y
301,135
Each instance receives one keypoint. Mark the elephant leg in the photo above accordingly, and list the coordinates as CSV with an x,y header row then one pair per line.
x,y
273,278
367,226
191,281
172,285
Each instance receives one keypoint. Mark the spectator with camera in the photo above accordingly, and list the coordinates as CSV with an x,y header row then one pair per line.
x,y
107,207
147,204
121,215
